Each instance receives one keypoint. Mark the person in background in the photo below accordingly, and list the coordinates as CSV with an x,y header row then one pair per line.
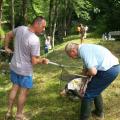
x,y
102,67
86,29
105,36
47,44
26,54
81,31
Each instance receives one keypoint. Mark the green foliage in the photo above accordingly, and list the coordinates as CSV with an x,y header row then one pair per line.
x,y
100,25
33,8
41,7
110,9
100,15
95,35
1,31
2,34
83,9
6,10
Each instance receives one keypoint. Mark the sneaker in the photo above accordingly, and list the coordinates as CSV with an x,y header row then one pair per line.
x,y
8,116
98,117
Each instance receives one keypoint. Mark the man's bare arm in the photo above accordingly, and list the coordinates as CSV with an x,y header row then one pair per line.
x,y
39,60
9,36
90,72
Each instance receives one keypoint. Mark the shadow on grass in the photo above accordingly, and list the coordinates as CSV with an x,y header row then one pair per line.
x,y
48,105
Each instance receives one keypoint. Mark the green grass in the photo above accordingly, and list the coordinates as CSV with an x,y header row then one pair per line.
x,y
44,101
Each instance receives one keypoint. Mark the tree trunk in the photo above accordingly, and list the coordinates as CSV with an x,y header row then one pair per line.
x,y
12,12
50,17
1,2
24,11
69,17
56,5
65,17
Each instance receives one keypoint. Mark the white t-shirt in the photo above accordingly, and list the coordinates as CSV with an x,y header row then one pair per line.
x,y
26,45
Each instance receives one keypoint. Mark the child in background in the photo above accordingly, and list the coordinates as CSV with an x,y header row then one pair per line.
x,y
47,44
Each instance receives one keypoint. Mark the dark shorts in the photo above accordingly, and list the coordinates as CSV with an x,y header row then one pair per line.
x,y
101,81
22,81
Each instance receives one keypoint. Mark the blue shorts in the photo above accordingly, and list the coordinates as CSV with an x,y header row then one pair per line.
x,y
101,81
22,81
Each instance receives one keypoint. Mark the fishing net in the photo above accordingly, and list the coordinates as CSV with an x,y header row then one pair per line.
x,y
74,85
67,74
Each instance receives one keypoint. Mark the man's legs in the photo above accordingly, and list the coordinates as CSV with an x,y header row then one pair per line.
x,y
21,101
11,100
85,35
82,37
98,113
98,101
22,83
98,83
85,109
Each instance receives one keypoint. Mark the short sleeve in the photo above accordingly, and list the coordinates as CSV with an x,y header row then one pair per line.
x,y
15,30
35,47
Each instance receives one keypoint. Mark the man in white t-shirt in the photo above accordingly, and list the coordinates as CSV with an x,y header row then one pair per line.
x,y
26,54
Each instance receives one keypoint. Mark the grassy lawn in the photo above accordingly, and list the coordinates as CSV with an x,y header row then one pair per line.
x,y
44,101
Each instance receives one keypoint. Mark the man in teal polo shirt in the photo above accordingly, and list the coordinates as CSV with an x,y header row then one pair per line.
x,y
102,66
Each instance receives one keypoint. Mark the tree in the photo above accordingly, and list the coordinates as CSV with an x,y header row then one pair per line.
x,y
83,9
1,2
108,18
24,11
12,12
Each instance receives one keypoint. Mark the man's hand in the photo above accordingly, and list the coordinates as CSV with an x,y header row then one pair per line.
x,y
9,36
90,72
7,50
39,60
45,61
